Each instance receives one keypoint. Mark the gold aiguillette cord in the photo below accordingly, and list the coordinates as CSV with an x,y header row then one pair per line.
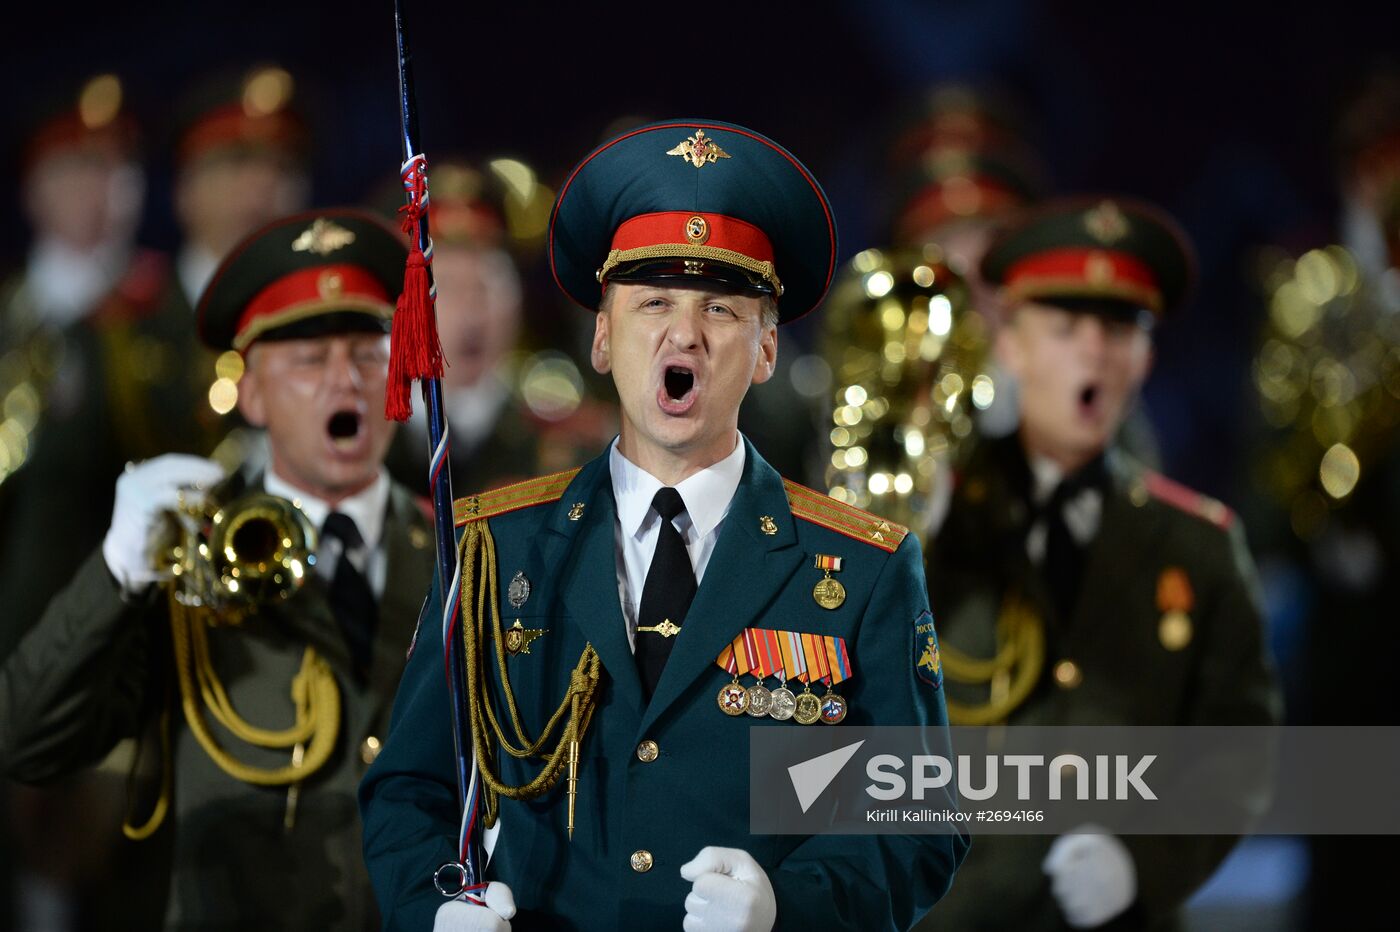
x,y
479,600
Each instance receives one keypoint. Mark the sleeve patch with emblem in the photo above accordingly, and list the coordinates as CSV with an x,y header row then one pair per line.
x,y
927,663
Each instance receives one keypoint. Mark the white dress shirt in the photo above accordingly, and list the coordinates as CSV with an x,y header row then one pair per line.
x,y
66,285
366,508
472,410
707,496
1082,513
194,267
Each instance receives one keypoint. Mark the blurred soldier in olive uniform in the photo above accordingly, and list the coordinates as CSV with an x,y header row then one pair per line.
x,y
84,285
490,386
133,381
631,580
64,326
268,722
1106,593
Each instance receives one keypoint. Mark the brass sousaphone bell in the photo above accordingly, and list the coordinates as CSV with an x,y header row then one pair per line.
x,y
908,361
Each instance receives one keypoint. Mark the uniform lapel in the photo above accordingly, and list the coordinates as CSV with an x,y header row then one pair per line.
x,y
409,564
745,573
586,551
1126,536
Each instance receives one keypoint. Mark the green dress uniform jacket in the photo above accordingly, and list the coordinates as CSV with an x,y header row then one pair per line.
x,y
97,668
696,790
1129,668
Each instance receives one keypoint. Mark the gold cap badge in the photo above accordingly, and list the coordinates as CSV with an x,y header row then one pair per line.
x,y
1106,223
330,285
323,237
699,150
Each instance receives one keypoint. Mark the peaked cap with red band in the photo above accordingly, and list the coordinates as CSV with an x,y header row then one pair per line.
x,y
957,185
1124,253
313,273
694,200
252,112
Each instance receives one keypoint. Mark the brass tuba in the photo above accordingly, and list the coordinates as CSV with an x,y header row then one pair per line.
x,y
908,358
1327,380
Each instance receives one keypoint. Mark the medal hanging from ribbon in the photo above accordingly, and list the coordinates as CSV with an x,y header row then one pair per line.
x,y
828,593
733,698
785,655
760,699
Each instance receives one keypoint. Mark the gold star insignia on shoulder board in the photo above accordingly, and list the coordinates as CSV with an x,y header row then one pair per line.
x,y
323,237
1106,223
699,150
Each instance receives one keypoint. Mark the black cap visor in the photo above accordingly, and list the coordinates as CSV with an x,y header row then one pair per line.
x,y
329,324
680,271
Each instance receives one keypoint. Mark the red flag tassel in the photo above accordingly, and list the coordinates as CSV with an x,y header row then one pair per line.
x,y
415,352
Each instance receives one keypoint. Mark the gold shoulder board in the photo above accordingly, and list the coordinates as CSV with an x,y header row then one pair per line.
x,y
512,497
823,510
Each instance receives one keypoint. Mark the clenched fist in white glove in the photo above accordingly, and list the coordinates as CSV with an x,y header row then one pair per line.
x,y
1092,876
143,492
462,916
729,893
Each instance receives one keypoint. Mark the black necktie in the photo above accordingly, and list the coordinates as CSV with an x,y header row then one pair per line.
x,y
352,599
667,593
1064,556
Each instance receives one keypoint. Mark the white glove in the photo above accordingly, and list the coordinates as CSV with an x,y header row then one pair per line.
x,y
1092,876
462,916
729,893
143,492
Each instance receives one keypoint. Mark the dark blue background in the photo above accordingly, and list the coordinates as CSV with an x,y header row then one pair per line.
x,y
1220,111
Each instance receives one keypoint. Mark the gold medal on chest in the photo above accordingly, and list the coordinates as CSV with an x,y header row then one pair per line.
x,y
828,593
807,708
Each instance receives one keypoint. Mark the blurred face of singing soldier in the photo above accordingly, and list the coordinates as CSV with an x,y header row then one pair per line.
x,y
1078,375
321,401
682,359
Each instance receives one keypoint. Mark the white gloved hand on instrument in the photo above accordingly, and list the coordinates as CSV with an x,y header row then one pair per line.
x,y
1092,876
463,916
729,893
144,491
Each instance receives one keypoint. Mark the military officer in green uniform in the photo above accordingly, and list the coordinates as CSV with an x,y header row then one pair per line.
x,y
268,723
1075,587
622,595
